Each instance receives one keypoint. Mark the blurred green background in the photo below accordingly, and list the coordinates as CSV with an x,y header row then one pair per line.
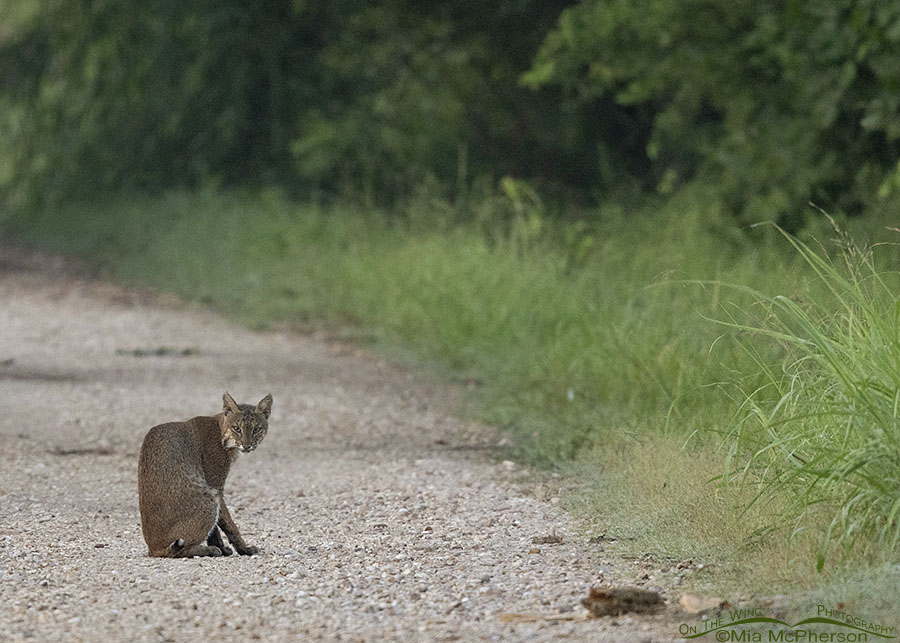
x,y
766,105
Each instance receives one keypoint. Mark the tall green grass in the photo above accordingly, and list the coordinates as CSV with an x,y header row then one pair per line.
x,y
824,428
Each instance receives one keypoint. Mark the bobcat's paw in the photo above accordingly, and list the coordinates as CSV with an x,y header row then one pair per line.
x,y
249,550
212,550
226,550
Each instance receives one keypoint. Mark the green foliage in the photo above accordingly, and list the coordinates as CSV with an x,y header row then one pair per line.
x,y
774,103
125,95
339,98
391,109
825,424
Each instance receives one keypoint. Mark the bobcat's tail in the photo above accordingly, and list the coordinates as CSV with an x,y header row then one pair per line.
x,y
176,546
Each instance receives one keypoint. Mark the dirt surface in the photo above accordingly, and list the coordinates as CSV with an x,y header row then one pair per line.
x,y
379,515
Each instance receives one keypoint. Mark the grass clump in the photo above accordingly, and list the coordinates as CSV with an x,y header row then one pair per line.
x,y
824,427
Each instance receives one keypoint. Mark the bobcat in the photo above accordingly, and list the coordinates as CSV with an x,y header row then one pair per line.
x,y
181,473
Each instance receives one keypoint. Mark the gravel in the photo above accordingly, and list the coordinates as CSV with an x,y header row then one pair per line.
x,y
379,515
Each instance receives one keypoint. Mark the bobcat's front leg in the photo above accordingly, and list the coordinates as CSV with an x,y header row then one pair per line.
x,y
215,540
226,524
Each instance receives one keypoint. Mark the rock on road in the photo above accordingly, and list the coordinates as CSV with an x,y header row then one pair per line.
x,y
377,512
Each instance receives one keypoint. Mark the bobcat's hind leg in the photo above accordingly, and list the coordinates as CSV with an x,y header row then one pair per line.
x,y
195,525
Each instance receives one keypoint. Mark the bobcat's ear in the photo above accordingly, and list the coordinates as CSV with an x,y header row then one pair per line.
x,y
229,405
265,405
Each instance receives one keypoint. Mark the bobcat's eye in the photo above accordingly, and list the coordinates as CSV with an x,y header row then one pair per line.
x,y
237,430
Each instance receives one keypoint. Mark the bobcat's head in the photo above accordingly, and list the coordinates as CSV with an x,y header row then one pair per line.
x,y
245,425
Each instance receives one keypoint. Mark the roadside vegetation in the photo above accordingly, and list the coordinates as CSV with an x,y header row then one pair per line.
x,y
594,214
731,399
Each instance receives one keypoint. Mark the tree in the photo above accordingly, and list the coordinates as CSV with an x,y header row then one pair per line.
x,y
774,103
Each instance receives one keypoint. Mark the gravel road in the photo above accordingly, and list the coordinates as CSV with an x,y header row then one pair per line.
x,y
379,515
